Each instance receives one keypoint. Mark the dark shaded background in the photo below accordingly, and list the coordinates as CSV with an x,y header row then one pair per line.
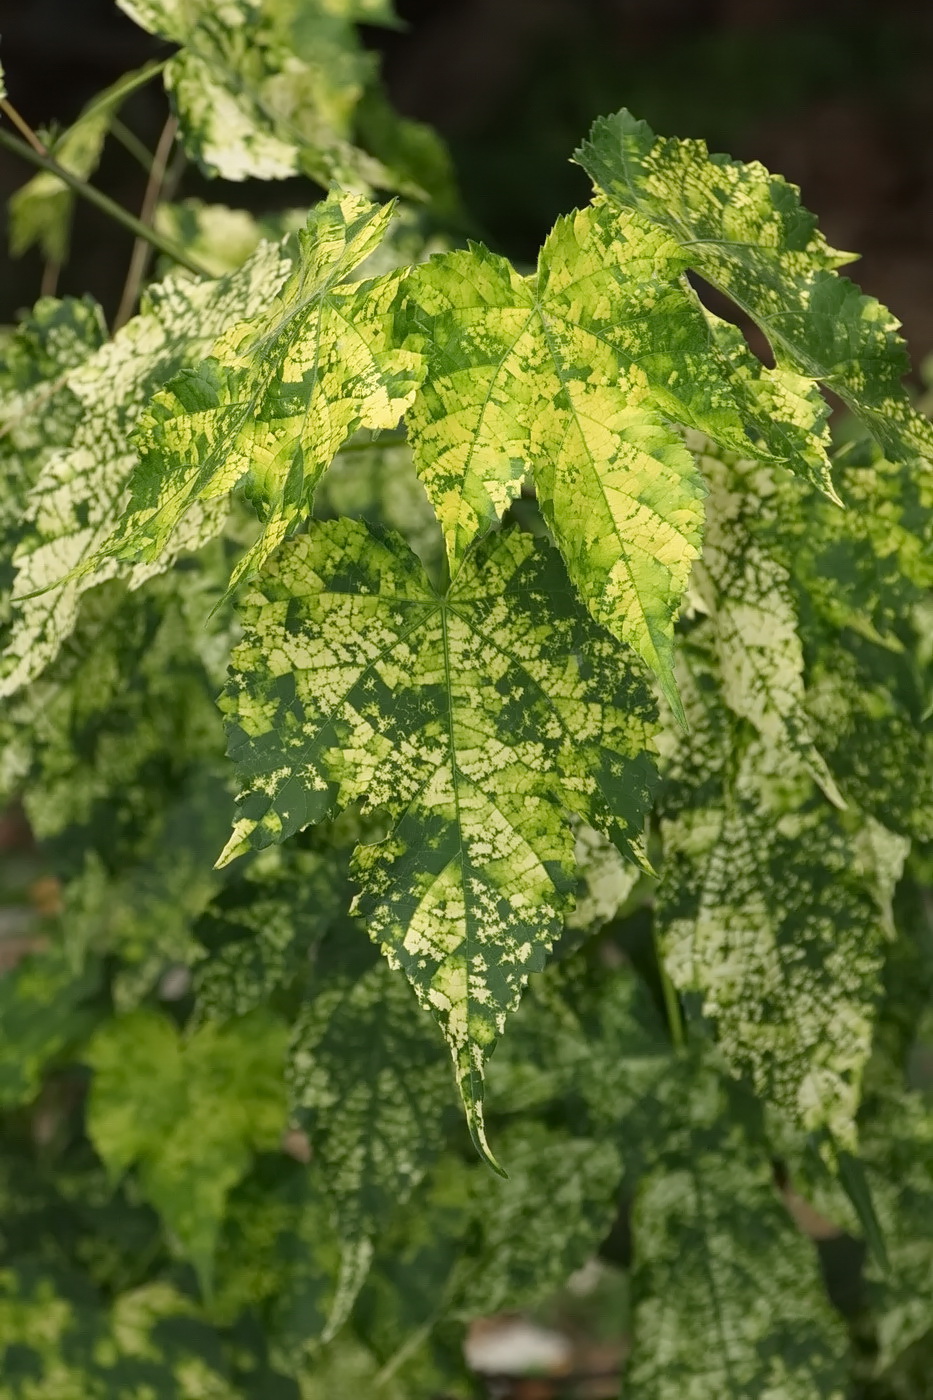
x,y
835,94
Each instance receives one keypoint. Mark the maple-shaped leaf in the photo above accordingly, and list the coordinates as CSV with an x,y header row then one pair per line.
x,y
210,1102
728,1298
478,720
79,497
572,376
368,1081
265,89
745,231
769,907
280,393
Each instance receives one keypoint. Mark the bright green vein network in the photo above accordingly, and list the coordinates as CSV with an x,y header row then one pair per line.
x,y
477,722
574,376
746,232
280,394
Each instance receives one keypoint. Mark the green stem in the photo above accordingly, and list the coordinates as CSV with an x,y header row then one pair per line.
x,y
165,245
675,1020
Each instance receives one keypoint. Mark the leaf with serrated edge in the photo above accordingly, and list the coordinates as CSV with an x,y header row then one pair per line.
x,y
78,499
571,375
747,233
472,719
280,393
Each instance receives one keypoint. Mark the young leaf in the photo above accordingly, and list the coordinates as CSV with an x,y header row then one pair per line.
x,y
40,210
728,1298
606,343
366,1079
472,719
209,1103
746,232
77,501
280,394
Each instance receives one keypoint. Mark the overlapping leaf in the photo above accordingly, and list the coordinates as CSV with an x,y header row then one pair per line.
x,y
368,1080
472,719
60,1339
768,909
262,931
78,499
749,597
571,375
266,88
209,1103
746,232
728,1297
280,393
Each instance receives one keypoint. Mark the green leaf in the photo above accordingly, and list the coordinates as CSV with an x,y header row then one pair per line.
x,y
544,1222
78,499
209,1103
745,231
266,90
367,1080
279,395
477,720
262,930
750,600
41,1014
60,1340
728,1298
766,907
607,343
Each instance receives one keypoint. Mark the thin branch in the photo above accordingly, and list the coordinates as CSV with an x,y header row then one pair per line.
x,y
22,126
139,257
165,245
131,142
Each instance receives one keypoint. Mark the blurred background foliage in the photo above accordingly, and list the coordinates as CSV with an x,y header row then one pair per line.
x,y
835,94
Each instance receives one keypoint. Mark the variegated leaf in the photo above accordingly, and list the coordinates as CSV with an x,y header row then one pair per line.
x,y
477,720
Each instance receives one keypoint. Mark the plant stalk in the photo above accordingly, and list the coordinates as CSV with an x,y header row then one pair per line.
x,y
94,196
139,257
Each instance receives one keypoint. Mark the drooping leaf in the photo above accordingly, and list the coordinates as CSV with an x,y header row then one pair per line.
x,y
727,1295
570,375
279,395
766,909
265,88
368,1082
746,232
472,719
78,499
209,1103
